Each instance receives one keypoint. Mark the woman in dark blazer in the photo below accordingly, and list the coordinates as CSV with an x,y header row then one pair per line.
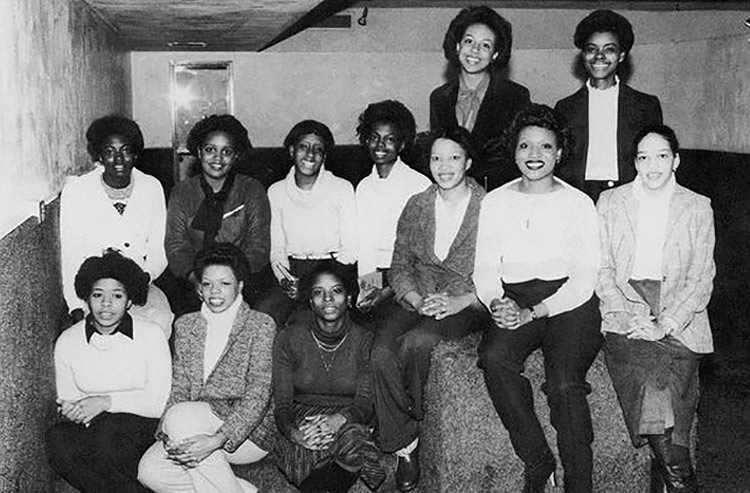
x,y
477,46
218,412
605,39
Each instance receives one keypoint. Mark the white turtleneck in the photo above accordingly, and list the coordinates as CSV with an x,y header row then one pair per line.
x,y
219,326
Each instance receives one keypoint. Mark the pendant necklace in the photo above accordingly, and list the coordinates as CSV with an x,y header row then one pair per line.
x,y
324,348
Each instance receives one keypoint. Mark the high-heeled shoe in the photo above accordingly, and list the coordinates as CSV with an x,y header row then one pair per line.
x,y
537,475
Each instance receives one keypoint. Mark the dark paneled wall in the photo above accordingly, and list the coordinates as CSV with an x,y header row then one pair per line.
x,y
30,307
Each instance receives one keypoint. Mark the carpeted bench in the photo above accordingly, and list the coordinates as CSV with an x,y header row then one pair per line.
x,y
466,448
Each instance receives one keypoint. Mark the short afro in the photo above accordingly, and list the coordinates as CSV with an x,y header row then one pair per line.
x,y
457,134
604,21
392,112
112,265
225,254
103,128
219,123
479,15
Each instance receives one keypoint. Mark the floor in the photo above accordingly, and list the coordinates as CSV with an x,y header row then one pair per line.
x,y
723,454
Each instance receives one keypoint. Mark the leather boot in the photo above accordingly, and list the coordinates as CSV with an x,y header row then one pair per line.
x,y
537,474
673,465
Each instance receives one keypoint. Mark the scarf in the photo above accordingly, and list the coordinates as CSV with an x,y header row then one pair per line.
x,y
211,209
468,102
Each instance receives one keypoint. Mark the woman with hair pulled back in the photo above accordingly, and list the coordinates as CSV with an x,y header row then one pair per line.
x,y
655,284
113,374
217,206
218,410
476,97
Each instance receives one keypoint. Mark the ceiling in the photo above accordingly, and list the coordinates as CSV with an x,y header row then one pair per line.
x,y
253,25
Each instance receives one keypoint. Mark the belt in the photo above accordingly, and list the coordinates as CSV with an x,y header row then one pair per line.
x,y
304,256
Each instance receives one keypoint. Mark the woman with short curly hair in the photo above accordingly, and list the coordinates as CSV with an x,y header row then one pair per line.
x,y
114,206
477,46
217,205
113,375
536,267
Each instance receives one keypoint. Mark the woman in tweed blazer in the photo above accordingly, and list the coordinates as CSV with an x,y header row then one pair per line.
x,y
430,273
655,283
218,411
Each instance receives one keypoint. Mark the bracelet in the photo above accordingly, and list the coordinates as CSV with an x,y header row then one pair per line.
x,y
534,316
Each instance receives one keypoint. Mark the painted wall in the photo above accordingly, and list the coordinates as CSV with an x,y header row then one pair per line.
x,y
60,69
331,75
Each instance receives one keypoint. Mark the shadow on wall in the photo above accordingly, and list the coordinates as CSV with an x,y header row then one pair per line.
x,y
31,304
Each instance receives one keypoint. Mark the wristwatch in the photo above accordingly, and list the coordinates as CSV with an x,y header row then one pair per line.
x,y
533,313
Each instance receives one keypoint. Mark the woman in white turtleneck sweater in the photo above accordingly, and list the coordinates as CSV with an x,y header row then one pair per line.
x,y
655,283
313,218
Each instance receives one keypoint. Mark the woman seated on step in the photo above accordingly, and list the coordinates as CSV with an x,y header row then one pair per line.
x,y
321,385
113,373
217,413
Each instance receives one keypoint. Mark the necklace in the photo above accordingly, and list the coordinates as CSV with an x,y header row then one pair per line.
x,y
324,348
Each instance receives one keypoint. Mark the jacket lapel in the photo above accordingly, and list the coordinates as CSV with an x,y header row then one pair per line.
x,y
674,219
237,328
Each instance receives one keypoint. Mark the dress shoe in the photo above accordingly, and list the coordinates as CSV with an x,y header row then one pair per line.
x,y
537,475
407,471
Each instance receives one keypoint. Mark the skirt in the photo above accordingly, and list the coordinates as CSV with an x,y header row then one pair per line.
x,y
353,449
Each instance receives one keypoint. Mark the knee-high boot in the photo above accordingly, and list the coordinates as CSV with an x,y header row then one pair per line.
x,y
672,465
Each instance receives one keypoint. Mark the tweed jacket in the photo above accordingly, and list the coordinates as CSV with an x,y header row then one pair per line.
x,y
415,267
502,101
635,110
688,264
239,387
246,223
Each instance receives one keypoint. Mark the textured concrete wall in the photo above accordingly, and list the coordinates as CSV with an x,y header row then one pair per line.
x,y
60,70
691,60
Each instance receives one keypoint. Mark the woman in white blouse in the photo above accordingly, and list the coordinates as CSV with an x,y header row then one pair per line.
x,y
313,217
536,268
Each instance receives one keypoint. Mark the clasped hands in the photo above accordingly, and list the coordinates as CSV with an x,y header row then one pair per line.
x,y
645,327
84,410
508,315
192,450
317,432
439,305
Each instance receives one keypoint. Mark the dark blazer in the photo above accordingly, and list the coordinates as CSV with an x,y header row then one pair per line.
x,y
502,101
635,110
239,387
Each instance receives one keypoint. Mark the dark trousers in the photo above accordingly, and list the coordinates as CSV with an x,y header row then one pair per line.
x,y
103,457
570,341
400,365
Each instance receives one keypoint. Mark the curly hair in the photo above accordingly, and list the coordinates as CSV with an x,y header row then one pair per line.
x,y
344,274
604,21
661,130
103,128
112,265
307,127
392,112
542,116
219,123
457,134
479,15
225,254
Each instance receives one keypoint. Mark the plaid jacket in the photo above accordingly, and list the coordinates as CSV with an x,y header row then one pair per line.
x,y
688,266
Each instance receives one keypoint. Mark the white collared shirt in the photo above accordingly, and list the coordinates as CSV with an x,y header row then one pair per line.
x,y
601,157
